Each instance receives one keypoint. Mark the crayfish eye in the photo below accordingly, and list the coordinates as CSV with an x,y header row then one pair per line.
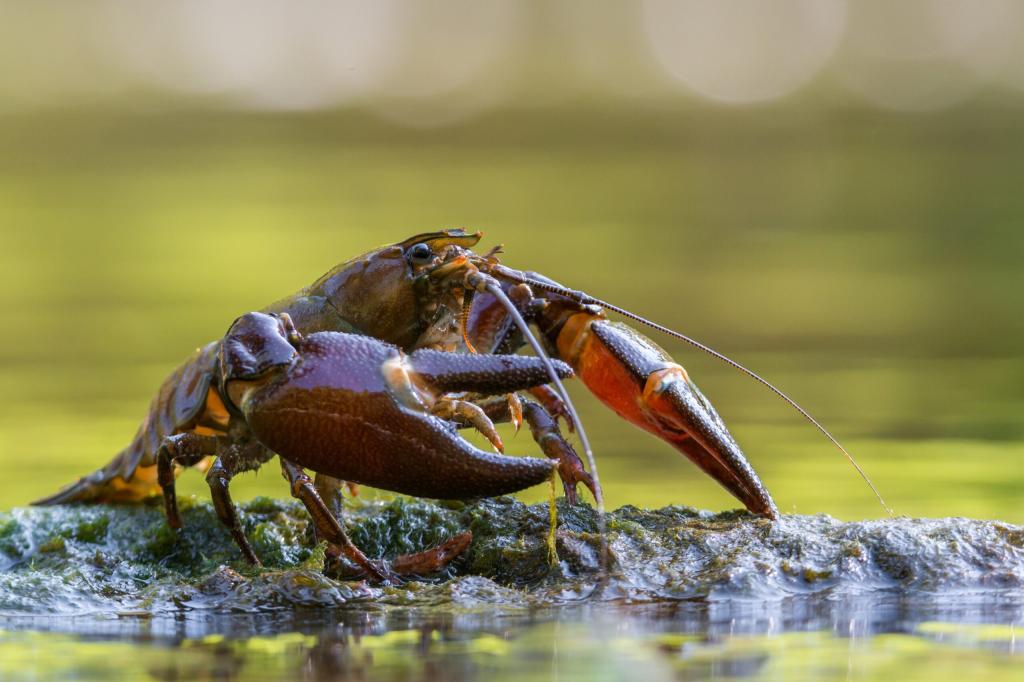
x,y
420,254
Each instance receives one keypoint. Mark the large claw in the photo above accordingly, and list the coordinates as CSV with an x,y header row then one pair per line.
x,y
640,381
356,409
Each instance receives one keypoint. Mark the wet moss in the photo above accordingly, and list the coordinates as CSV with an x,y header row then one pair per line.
x,y
813,576
162,542
266,505
853,550
316,560
9,531
278,541
54,544
1014,537
94,530
403,526
126,559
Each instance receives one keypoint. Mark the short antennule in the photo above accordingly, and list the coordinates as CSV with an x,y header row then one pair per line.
x,y
585,299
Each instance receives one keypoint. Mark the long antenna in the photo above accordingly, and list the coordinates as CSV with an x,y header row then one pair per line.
x,y
494,288
586,299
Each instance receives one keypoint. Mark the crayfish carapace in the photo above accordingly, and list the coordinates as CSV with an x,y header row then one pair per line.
x,y
366,376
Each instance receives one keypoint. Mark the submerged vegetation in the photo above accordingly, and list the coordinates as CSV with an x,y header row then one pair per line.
x,y
126,560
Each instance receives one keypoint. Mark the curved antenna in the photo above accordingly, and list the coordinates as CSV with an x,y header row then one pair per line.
x,y
494,288
586,299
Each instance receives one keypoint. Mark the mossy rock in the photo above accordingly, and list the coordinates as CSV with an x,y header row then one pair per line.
x,y
125,559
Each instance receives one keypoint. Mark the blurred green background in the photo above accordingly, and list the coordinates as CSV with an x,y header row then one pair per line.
x,y
829,193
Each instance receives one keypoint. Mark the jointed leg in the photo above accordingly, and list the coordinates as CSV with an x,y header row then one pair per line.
x,y
218,477
546,433
326,525
185,449
329,489
465,412
553,404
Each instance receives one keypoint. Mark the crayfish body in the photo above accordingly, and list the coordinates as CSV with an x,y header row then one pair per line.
x,y
367,375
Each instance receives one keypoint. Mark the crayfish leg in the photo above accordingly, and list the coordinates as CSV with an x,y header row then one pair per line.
x,y
466,412
546,433
218,478
554,405
549,437
329,528
329,489
185,449
434,559
424,562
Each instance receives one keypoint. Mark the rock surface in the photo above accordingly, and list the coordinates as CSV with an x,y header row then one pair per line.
x,y
126,561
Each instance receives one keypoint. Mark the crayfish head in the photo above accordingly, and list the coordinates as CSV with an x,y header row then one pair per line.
x,y
398,292
445,288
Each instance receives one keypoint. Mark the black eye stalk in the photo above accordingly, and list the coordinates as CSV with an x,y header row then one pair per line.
x,y
420,254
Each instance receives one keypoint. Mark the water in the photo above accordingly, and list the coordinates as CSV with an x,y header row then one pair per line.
x,y
791,641
866,263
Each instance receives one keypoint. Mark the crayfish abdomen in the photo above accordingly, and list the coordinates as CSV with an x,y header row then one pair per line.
x,y
186,402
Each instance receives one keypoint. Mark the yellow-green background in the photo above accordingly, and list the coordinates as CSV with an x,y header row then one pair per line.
x,y
867,262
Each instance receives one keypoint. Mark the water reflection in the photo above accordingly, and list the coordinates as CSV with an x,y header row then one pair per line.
x,y
894,636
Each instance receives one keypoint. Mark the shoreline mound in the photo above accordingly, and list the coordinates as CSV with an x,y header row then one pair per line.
x,y
125,560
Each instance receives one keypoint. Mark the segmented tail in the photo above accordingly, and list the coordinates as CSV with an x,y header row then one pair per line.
x,y
108,485
184,401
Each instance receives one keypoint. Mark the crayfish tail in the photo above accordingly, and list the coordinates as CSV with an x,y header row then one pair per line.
x,y
106,485
81,490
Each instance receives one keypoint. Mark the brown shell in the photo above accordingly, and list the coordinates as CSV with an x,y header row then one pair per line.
x,y
177,406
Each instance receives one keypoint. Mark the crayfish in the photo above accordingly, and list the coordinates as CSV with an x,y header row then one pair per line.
x,y
367,375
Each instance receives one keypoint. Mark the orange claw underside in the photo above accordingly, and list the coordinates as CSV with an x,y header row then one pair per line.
x,y
604,374
640,382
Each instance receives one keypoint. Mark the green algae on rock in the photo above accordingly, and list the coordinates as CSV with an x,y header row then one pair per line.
x,y
122,559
